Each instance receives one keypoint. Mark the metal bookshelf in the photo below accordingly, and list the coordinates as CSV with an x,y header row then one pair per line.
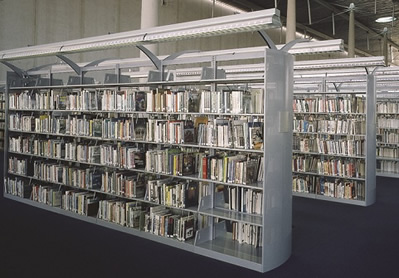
x,y
387,127
214,238
336,174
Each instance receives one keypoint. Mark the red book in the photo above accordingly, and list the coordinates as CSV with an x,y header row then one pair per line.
x,y
204,167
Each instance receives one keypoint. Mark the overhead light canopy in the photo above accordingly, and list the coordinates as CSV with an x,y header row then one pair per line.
x,y
244,22
385,19
340,63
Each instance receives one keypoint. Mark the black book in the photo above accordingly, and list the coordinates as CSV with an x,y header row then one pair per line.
x,y
191,195
97,128
188,164
141,103
139,160
194,99
189,132
140,128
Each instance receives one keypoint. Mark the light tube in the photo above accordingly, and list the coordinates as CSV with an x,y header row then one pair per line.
x,y
340,63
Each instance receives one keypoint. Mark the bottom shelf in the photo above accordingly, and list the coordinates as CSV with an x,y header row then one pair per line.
x,y
387,174
223,248
327,198
231,251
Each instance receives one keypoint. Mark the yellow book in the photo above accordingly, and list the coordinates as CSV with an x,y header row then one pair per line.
x,y
226,161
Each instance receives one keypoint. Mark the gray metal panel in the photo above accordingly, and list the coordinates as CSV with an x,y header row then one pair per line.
x,y
371,141
277,197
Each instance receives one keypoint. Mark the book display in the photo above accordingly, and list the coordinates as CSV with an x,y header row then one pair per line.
x,y
387,134
334,141
201,165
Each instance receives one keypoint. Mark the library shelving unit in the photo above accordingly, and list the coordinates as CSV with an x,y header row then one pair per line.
x,y
387,133
201,165
2,116
334,149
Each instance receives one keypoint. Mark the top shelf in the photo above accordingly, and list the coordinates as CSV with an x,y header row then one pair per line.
x,y
143,84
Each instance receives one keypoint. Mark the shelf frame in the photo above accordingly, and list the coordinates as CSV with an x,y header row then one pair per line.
x,y
276,219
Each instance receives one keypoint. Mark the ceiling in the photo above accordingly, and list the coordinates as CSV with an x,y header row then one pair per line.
x,y
319,22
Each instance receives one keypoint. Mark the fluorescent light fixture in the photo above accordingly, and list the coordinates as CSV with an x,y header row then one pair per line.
x,y
340,63
315,47
245,22
385,19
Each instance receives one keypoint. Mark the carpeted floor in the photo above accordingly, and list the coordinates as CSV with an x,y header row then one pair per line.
x,y
329,240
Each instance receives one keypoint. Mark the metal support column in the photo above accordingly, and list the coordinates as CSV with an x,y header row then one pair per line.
x,y
291,21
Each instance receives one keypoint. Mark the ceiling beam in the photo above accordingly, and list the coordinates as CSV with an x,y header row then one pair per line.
x,y
306,29
357,23
244,3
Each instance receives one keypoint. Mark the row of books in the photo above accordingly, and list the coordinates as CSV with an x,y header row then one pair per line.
x,y
80,202
239,169
226,168
165,100
131,100
348,126
107,100
387,136
388,166
384,122
161,191
157,220
245,200
350,168
387,107
88,178
331,147
18,166
168,192
47,194
163,222
388,152
337,188
172,161
342,104
18,187
247,233
125,213
243,134
235,102
126,184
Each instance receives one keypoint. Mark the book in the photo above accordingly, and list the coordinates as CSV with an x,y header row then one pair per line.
x,y
140,99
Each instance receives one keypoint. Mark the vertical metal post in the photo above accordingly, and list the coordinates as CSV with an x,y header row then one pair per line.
x,y
309,13
212,151
333,23
370,141
385,46
351,33
291,21
118,73
6,124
